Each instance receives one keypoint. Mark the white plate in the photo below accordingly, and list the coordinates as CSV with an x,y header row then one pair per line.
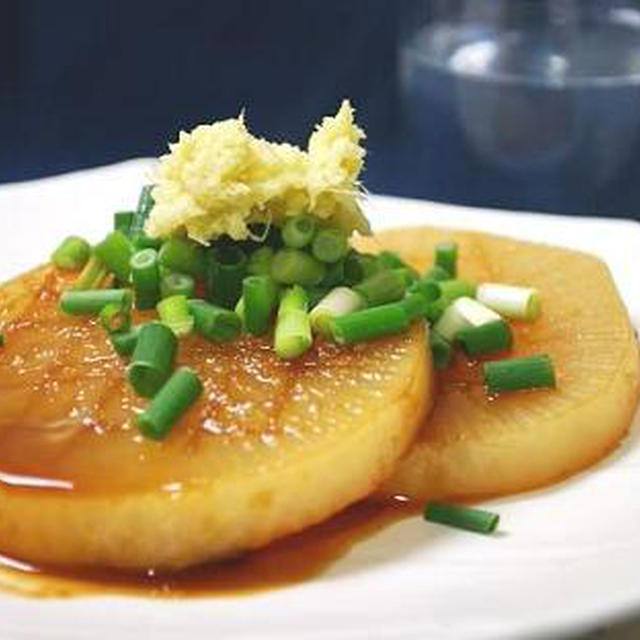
x,y
567,558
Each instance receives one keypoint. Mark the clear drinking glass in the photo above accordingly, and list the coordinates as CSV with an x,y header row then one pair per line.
x,y
525,103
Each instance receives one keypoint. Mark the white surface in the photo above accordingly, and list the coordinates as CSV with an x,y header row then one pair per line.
x,y
566,559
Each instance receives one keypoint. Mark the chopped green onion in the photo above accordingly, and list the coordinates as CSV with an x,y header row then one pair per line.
x,y
183,256
415,305
428,289
315,294
446,256
359,266
143,241
176,314
145,204
292,266
145,274
390,260
171,402
448,291
298,232
213,322
485,338
409,275
226,268
293,329
463,312
337,302
92,276
122,221
334,275
3,339
382,287
441,350
522,303
177,284
152,359
450,322
512,374
461,517
259,263
92,302
115,318
260,297
293,299
124,342
116,251
369,323
72,254
437,273
239,310
330,245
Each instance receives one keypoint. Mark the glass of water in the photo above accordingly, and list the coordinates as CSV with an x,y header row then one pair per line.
x,y
527,104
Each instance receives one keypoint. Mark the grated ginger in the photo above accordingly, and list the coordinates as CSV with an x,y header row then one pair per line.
x,y
219,178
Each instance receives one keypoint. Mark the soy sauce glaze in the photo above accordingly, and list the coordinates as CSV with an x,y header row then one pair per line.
x,y
286,562
54,366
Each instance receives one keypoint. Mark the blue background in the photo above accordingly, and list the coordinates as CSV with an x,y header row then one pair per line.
x,y
89,82
86,83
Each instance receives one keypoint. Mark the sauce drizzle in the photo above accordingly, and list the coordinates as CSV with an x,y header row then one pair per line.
x,y
283,563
